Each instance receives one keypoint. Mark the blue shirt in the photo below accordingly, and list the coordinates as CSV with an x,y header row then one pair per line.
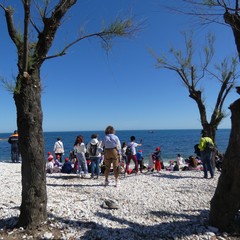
x,y
111,141
139,156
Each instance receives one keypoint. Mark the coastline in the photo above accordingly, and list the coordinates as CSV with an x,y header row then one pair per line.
x,y
165,205
172,142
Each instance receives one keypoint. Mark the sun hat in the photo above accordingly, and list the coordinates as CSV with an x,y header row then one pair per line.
x,y
49,153
158,149
50,158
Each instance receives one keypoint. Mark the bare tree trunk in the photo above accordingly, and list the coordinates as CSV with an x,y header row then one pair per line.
x,y
31,142
226,200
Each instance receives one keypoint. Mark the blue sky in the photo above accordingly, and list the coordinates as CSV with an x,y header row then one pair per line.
x,y
88,89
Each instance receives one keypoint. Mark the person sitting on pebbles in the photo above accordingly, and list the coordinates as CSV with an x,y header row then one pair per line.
x,y
192,164
50,167
67,166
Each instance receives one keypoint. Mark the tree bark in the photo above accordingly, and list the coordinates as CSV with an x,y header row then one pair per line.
x,y
33,209
226,200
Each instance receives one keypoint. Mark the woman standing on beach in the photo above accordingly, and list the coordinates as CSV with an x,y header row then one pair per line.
x,y
58,148
80,150
112,149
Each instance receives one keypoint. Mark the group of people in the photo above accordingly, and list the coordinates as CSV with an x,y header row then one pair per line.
x,y
114,154
110,152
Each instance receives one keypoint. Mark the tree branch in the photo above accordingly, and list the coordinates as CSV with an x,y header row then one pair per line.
x,y
34,26
64,50
26,5
11,28
51,26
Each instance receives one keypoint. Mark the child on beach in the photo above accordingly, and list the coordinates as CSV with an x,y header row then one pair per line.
x,y
50,166
132,144
67,166
180,161
192,164
157,159
171,166
140,159
57,162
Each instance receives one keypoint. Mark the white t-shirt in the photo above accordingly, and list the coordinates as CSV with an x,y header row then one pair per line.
x,y
50,165
179,160
80,148
133,145
58,147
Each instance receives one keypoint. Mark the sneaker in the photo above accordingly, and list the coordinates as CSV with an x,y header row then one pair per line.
x,y
116,183
106,183
85,176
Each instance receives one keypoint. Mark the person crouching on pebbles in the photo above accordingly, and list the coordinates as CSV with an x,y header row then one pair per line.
x,y
112,149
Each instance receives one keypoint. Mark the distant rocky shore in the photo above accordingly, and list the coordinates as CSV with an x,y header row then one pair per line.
x,y
165,205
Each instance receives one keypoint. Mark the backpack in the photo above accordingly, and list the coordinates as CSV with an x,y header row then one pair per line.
x,y
129,151
209,147
197,150
93,150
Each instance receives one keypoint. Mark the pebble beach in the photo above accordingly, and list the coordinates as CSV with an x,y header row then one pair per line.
x,y
164,205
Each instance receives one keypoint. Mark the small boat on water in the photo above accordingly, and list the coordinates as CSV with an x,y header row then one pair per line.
x,y
150,131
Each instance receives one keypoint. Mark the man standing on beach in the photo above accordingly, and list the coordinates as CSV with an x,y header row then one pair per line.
x,y
206,154
13,140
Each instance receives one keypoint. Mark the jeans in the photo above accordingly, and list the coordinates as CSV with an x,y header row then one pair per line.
x,y
206,158
14,154
82,163
95,164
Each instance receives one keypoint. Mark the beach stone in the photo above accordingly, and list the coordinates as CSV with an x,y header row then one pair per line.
x,y
110,204
47,235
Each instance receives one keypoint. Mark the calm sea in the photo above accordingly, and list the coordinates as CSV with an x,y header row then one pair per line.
x,y
171,142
